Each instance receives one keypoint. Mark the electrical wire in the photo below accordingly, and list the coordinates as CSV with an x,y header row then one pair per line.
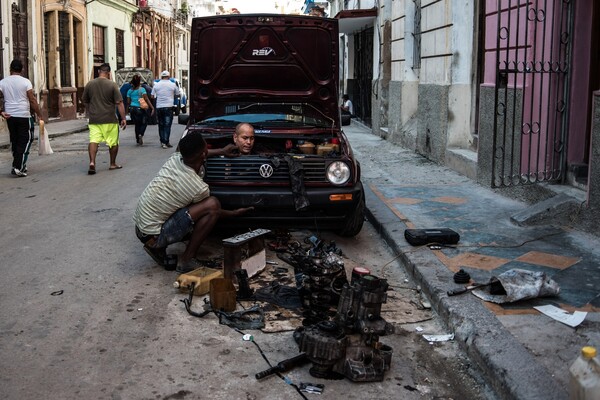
x,y
264,356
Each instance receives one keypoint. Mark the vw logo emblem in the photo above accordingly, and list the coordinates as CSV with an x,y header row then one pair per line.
x,y
265,170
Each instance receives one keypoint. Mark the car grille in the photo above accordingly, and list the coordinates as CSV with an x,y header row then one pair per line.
x,y
247,169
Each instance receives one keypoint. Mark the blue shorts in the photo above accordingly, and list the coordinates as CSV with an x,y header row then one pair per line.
x,y
174,230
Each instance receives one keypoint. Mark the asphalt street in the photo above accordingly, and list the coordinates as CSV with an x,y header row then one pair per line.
x,y
522,353
87,314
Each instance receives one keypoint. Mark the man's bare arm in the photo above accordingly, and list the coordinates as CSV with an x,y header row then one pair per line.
x,y
235,213
230,150
34,104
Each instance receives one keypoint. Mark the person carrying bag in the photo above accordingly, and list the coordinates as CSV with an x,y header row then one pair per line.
x,y
139,102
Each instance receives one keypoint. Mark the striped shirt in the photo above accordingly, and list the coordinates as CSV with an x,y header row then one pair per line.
x,y
175,186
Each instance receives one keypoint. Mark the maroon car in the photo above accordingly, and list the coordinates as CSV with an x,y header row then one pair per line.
x,y
279,73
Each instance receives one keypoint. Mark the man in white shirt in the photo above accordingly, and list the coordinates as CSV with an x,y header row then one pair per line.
x,y
347,107
18,101
164,91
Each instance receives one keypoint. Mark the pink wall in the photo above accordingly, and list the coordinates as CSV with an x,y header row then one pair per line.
x,y
581,93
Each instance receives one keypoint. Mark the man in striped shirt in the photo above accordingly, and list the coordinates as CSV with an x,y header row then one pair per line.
x,y
177,203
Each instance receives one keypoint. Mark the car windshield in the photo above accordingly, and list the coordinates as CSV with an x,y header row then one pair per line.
x,y
262,115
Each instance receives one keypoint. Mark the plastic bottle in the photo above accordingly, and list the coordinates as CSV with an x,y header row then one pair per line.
x,y
585,376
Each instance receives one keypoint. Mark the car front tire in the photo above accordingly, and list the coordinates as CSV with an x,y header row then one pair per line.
x,y
355,220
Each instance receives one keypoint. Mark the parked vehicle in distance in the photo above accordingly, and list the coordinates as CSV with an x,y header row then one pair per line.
x,y
280,74
123,78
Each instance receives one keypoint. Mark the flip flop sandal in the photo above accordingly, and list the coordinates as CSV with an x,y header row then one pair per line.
x,y
92,170
157,255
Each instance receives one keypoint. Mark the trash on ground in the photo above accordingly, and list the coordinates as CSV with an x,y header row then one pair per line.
x,y
439,338
520,284
419,329
311,388
563,316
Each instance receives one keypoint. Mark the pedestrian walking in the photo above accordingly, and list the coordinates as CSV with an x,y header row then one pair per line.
x,y
165,91
139,104
151,118
18,101
100,97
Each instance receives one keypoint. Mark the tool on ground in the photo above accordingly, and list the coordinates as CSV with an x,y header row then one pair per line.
x,y
420,237
244,291
284,366
311,388
494,284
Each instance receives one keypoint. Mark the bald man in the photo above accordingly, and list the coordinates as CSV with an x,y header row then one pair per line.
x,y
243,139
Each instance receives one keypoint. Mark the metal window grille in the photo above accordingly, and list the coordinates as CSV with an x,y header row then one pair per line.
x,y
417,36
64,48
98,45
120,37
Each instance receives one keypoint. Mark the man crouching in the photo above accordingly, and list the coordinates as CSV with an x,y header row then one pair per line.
x,y
177,203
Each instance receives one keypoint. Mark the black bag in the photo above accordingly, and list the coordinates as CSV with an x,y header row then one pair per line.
x,y
419,237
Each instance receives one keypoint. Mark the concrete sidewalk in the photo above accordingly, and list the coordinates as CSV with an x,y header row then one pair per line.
x,y
523,353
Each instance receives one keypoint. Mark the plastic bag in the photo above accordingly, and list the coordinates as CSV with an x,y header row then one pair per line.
x,y
44,142
520,284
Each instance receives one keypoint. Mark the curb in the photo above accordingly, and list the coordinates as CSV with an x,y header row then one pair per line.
x,y
508,368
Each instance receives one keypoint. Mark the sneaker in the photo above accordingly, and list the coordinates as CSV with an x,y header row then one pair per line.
x,y
169,145
18,172
140,141
164,146
189,266
158,255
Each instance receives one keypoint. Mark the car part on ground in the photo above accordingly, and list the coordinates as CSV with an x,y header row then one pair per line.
x,y
348,346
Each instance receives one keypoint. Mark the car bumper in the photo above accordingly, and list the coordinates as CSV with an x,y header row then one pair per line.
x,y
275,207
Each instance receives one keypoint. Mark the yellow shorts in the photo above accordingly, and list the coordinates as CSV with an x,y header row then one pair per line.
x,y
108,133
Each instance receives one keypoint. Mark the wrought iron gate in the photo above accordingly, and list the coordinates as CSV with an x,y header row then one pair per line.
x,y
532,49
363,71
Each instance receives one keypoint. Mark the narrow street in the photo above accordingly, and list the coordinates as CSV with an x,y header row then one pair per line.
x,y
87,314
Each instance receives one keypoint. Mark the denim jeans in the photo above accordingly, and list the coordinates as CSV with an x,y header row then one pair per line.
x,y
139,118
165,119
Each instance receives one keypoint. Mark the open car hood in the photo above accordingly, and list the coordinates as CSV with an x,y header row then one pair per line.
x,y
241,59
126,75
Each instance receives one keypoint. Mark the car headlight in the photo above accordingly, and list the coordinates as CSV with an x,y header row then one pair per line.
x,y
338,172
202,172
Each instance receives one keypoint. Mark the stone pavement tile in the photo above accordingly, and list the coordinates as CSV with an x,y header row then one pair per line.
x,y
549,260
490,244
450,200
473,260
